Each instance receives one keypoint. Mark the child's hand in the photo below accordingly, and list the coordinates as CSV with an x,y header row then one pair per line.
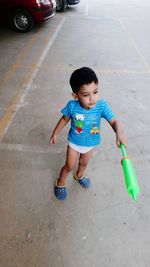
x,y
53,139
121,139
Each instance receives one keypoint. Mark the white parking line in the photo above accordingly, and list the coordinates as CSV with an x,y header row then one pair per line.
x,y
139,52
45,149
86,12
19,99
30,148
41,60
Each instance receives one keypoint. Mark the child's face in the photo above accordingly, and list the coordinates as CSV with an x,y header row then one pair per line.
x,y
88,95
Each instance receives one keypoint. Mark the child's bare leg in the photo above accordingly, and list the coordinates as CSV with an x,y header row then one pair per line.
x,y
83,162
71,159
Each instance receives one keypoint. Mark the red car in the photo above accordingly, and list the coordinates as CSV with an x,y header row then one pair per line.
x,y
22,14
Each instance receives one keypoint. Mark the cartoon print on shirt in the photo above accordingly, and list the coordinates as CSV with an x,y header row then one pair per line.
x,y
94,130
79,122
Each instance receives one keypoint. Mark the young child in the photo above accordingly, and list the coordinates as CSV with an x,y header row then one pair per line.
x,y
85,113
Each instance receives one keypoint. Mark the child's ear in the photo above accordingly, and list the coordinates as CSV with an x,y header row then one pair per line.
x,y
75,96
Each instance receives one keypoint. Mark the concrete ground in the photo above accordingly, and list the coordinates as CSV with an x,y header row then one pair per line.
x,y
100,227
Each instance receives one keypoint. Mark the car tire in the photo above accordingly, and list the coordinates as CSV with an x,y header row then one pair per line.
x,y
21,20
60,5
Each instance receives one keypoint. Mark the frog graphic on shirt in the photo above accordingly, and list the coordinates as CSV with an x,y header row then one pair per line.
x,y
79,122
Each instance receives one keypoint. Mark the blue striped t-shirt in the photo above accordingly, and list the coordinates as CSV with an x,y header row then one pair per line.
x,y
85,123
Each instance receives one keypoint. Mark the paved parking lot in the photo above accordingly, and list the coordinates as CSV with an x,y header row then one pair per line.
x,y
101,227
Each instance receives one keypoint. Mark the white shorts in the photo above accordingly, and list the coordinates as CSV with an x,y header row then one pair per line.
x,y
80,149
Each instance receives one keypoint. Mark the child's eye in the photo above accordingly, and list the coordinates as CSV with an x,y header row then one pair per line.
x,y
95,92
85,95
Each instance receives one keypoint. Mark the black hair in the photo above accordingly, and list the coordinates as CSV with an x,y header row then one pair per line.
x,y
82,76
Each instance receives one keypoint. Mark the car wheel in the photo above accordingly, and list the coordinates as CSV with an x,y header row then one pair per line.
x,y
21,20
61,5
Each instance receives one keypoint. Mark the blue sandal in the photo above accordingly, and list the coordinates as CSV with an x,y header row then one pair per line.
x,y
84,181
60,191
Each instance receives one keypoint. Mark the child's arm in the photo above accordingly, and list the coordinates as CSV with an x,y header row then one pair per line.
x,y
60,125
120,138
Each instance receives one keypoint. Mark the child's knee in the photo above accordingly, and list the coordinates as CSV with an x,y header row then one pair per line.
x,y
68,167
83,162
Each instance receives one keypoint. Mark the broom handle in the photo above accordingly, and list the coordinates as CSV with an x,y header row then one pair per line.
x,y
123,150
